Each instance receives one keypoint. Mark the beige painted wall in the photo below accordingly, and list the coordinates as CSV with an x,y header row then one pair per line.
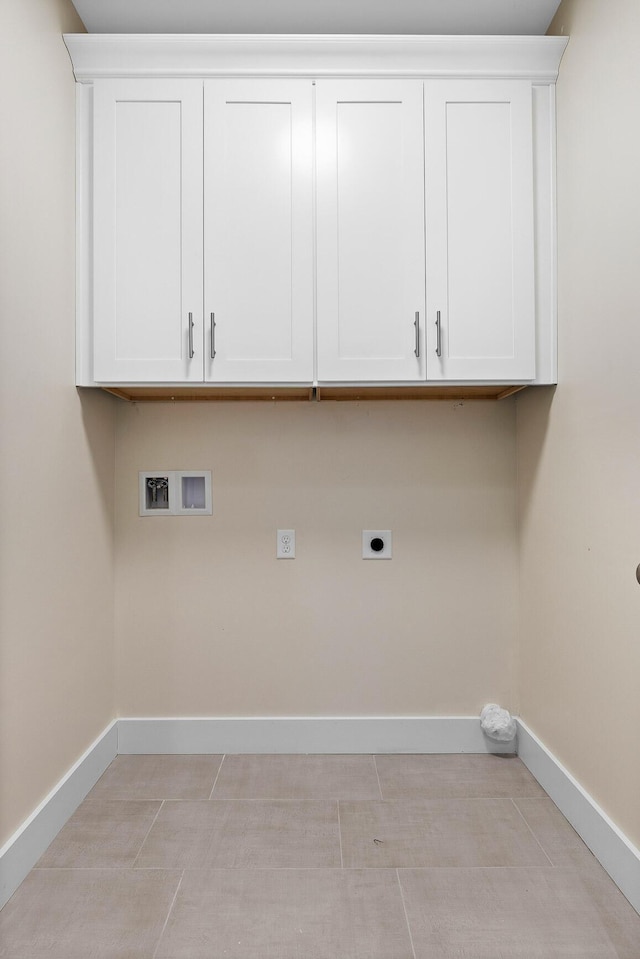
x,y
56,449
579,451
210,623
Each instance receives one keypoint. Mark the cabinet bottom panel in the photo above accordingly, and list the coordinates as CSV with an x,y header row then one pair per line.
x,y
307,393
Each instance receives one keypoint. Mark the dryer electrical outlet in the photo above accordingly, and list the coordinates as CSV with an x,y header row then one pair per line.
x,y
376,544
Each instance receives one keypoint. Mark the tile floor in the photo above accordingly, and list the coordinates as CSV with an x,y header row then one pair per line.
x,y
318,857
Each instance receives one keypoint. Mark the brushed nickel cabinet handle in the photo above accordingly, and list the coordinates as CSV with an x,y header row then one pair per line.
x,y
416,324
213,336
191,350
439,335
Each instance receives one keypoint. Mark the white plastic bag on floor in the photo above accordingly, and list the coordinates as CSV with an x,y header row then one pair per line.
x,y
497,723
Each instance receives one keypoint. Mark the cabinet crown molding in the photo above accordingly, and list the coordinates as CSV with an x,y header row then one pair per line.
x,y
185,55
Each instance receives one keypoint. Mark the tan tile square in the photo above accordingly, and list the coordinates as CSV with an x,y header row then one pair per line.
x,y
486,913
87,914
437,832
252,833
287,914
565,848
617,916
158,777
455,777
297,777
558,838
101,833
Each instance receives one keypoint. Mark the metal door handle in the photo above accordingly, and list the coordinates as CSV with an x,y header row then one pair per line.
x,y
191,350
439,335
213,336
416,324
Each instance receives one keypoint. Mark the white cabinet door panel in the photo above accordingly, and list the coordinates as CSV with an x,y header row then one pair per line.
x,y
147,231
258,231
370,230
479,211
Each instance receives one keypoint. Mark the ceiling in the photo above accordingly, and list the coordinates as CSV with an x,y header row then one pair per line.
x,y
490,17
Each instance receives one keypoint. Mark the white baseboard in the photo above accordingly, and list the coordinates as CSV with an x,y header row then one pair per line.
x,y
609,845
24,848
302,734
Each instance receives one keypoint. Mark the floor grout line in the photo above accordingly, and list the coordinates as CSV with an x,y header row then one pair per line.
x,y
133,864
532,832
302,799
340,834
404,906
173,901
217,774
375,766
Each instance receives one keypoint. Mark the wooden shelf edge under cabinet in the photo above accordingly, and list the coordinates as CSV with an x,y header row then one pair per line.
x,y
178,394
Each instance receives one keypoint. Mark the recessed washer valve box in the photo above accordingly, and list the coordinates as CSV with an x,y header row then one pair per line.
x,y
175,492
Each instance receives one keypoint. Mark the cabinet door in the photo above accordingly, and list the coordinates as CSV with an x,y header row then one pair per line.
x,y
147,297
370,230
258,223
479,213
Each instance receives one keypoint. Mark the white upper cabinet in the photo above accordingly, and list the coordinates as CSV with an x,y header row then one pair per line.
x,y
258,231
480,230
147,231
370,230
314,211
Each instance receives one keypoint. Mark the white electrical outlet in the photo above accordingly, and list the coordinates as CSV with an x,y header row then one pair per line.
x,y
376,544
286,544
